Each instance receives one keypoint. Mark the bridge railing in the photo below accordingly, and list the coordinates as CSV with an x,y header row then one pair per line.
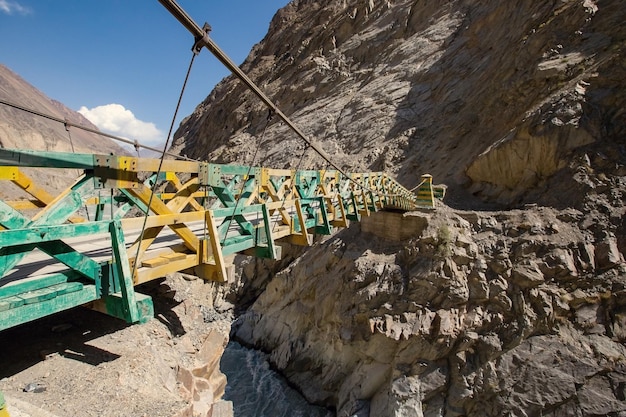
x,y
98,237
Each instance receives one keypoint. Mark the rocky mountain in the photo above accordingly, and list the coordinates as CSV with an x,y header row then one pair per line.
x,y
450,313
517,107
504,103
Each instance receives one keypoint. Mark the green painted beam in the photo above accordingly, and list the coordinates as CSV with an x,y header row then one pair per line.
x,y
325,228
269,239
47,233
134,201
124,273
30,158
56,213
73,259
116,305
237,244
29,312
34,283
227,212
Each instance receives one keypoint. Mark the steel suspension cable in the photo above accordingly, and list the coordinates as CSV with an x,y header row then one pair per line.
x,y
202,39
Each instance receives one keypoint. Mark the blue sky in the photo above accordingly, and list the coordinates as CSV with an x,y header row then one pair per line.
x,y
111,58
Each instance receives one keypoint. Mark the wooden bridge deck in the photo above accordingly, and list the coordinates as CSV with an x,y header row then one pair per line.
x,y
109,231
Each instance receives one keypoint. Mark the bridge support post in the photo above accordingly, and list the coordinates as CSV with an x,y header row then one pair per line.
x,y
126,304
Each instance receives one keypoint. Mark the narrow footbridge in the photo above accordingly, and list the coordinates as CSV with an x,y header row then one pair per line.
x,y
126,221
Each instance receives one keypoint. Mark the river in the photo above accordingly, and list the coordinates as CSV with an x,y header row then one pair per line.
x,y
258,391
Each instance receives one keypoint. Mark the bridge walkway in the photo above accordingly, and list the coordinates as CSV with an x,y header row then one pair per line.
x,y
126,221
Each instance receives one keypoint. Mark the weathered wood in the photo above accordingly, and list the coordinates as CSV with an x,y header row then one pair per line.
x,y
251,208
30,312
124,274
33,283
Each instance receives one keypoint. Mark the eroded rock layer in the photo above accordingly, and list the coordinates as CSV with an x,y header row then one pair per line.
x,y
478,314
494,99
514,105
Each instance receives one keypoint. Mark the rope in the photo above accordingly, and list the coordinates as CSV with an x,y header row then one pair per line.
x,y
154,186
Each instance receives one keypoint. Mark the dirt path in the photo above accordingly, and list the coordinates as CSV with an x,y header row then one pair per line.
x,y
83,363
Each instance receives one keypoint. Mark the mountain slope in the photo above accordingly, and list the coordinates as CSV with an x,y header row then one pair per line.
x,y
455,89
22,130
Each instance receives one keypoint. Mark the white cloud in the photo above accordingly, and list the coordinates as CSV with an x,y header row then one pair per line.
x,y
10,7
117,120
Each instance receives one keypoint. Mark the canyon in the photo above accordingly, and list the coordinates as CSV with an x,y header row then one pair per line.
x,y
507,298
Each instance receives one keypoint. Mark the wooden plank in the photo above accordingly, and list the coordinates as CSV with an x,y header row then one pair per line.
x,y
10,302
30,312
67,287
47,233
216,248
237,244
176,256
268,234
160,208
124,274
35,283
300,235
152,263
38,296
58,211
43,159
115,305
148,274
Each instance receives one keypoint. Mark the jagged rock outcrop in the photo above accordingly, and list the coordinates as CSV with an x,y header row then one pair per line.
x,y
476,313
513,105
501,101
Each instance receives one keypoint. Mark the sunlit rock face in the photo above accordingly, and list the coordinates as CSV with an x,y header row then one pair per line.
x,y
516,106
478,313
505,102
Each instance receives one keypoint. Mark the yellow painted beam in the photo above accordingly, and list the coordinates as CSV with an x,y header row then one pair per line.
x,y
303,238
162,220
160,208
149,274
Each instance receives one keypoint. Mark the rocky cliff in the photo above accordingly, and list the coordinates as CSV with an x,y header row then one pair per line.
x,y
517,106
466,314
503,102
454,312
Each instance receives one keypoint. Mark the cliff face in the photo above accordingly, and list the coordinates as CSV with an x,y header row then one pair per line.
x,y
475,314
455,312
493,99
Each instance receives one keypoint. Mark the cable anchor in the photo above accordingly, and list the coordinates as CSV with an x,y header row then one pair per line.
x,y
201,41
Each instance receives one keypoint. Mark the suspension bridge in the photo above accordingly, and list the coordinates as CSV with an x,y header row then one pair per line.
x,y
129,220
